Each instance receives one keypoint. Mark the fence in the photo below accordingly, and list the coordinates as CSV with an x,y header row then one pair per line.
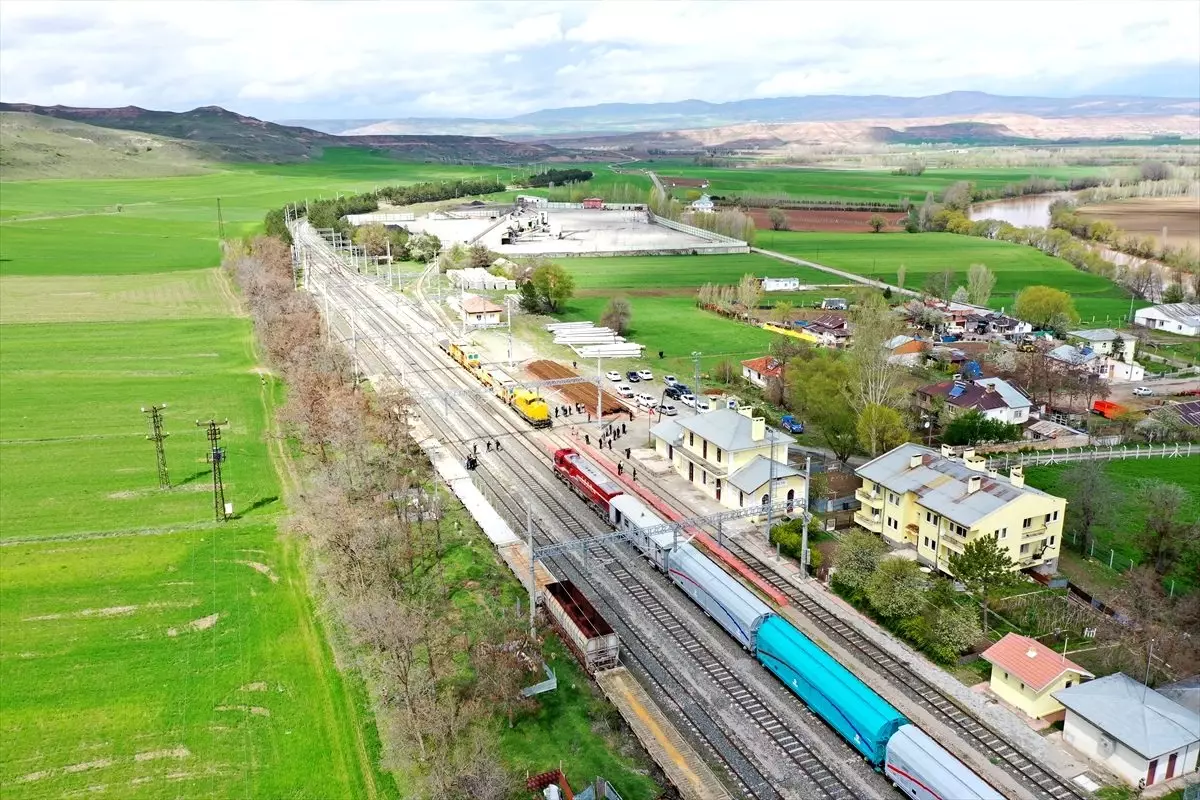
x,y
694,231
1115,562
383,219
1050,457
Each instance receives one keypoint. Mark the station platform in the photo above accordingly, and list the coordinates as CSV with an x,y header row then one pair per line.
x,y
673,754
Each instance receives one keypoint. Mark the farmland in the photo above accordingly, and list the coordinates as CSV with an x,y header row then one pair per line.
x,y
879,256
854,185
1150,216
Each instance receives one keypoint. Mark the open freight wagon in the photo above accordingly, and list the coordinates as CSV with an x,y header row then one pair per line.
x,y
585,631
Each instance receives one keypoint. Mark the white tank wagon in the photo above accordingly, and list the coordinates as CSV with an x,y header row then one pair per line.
x,y
585,631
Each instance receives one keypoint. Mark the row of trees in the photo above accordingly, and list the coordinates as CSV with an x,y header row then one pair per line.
x,y
442,662
944,285
377,240
733,300
558,177
725,221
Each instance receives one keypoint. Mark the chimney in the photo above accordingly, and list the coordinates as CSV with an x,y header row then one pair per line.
x,y
747,412
968,453
947,451
974,462
1017,476
1031,652
988,388
915,460
973,483
758,428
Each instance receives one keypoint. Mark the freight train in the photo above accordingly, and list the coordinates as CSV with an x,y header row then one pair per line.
x,y
911,760
528,404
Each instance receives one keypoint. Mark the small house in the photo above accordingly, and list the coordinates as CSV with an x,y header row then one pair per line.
x,y
1026,673
1181,318
478,310
704,205
759,370
1135,732
593,202
1106,342
835,304
780,284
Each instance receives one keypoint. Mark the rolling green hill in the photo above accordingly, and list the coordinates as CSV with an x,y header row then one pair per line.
x,y
33,146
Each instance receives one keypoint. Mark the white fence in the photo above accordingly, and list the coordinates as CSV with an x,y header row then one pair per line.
x,y
1049,457
692,230
383,219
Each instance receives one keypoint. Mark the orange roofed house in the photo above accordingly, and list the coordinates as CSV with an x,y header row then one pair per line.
x,y
1025,673
480,311
759,370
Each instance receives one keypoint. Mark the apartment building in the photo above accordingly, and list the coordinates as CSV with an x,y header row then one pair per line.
x,y
936,503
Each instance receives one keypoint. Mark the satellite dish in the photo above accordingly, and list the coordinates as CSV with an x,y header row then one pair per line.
x,y
1105,746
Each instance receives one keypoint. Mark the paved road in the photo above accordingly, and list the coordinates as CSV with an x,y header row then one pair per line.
x,y
850,276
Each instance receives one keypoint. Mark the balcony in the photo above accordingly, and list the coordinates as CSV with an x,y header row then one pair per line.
x,y
1036,532
872,523
869,499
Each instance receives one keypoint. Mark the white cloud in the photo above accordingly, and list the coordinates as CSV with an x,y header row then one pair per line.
x,y
497,59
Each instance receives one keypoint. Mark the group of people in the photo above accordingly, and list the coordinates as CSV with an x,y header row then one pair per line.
x,y
473,458
609,437
566,411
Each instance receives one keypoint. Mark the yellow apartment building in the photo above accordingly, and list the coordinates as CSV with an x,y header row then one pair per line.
x,y
728,455
1026,673
936,503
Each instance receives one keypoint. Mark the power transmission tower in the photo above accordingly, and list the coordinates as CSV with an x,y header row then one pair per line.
x,y
157,436
216,456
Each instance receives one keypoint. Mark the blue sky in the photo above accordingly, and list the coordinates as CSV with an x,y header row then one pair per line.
x,y
351,60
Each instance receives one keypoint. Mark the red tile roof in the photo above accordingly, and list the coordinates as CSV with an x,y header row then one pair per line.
x,y
1037,671
480,305
767,366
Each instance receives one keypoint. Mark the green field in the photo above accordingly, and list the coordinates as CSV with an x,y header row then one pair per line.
x,y
1119,531
879,256
674,273
852,184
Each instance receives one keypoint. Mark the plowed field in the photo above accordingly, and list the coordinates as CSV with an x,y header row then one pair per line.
x,y
827,220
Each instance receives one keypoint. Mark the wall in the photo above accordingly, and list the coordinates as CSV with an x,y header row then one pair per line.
x,y
1084,737
1038,705
694,231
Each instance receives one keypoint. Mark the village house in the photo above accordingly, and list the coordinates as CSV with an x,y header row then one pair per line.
x,y
1026,673
996,324
1104,367
995,398
904,349
479,311
1135,732
727,454
1106,342
1181,318
916,497
759,370
704,205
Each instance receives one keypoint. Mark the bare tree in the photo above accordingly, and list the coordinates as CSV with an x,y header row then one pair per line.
x,y
617,315
1170,531
777,219
749,292
1092,498
877,380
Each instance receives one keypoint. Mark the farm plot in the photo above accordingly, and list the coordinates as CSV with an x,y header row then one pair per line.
x,y
924,254
194,294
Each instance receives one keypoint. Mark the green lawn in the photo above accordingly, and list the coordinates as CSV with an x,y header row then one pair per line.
x,y
1119,531
854,184
655,273
879,256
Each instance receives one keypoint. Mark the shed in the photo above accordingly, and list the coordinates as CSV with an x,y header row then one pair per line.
x,y
1025,673
1133,730
593,202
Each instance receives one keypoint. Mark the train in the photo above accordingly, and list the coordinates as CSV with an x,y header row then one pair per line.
x,y
917,765
528,404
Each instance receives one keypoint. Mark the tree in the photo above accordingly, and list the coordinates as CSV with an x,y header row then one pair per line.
x,y
983,566
617,315
876,379
980,282
972,427
940,284
372,238
1173,294
1090,496
749,292
960,295
782,312
856,558
480,256
529,297
1154,171
724,372
958,196
901,274
923,316
424,247
1170,530
897,588
777,219
877,223
880,429
949,630
554,285
1038,305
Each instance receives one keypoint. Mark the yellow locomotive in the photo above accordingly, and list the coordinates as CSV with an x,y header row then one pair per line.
x,y
528,404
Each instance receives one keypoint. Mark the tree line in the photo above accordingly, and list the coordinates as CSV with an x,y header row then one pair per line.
x,y
442,662
558,177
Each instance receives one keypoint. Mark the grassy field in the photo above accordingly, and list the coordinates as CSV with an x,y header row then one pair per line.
x,y
670,273
847,184
1119,531
879,256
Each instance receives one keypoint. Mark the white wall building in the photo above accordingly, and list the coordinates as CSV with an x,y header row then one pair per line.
x,y
1106,342
703,205
1104,367
480,311
1181,318
1132,730
781,284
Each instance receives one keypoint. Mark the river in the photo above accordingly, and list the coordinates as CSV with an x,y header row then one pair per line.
x,y
1021,212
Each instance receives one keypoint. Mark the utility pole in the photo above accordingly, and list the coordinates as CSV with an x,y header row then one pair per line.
x,y
216,456
157,436
532,573
220,222
804,517
599,395
696,378
770,484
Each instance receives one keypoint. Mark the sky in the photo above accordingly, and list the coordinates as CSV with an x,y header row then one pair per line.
x,y
358,60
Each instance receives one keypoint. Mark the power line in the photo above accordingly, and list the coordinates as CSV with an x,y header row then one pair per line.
x,y
216,456
157,436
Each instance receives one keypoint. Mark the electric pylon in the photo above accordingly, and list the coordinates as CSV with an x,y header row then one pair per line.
x,y
157,436
216,457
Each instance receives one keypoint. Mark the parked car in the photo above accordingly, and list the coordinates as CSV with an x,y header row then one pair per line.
x,y
647,400
703,404
1143,391
688,400
791,424
667,410
670,380
613,376
673,392
645,374
632,376
625,390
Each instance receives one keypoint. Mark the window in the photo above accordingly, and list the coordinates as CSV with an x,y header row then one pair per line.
x,y
931,518
704,477
1005,676
718,455
1024,548
1051,542
704,448
1028,522
893,498
1022,686
691,439
1001,533
1054,516
1068,685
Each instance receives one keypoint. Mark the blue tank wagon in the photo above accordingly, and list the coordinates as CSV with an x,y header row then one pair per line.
x,y
863,718
731,605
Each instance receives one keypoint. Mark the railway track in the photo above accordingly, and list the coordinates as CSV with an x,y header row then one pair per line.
x,y
739,764
1029,773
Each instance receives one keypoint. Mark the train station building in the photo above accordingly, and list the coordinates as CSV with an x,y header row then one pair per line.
x,y
728,455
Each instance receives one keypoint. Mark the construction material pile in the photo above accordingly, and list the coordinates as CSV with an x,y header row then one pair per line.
x,y
581,392
590,341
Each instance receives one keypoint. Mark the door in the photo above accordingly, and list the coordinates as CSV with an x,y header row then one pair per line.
x,y
718,490
1171,766
791,500
691,472
1150,770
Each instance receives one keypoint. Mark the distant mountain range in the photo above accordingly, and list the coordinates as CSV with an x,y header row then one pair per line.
x,y
223,135
638,117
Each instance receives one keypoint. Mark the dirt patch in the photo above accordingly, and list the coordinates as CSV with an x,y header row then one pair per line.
x,y
584,393
262,569
87,765
257,686
1147,216
826,220
154,755
202,624
114,611
684,183
257,711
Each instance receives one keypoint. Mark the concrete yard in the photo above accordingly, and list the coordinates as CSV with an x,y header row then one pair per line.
x,y
591,232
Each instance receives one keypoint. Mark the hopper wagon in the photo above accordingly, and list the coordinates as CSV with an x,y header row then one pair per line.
x,y
585,631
